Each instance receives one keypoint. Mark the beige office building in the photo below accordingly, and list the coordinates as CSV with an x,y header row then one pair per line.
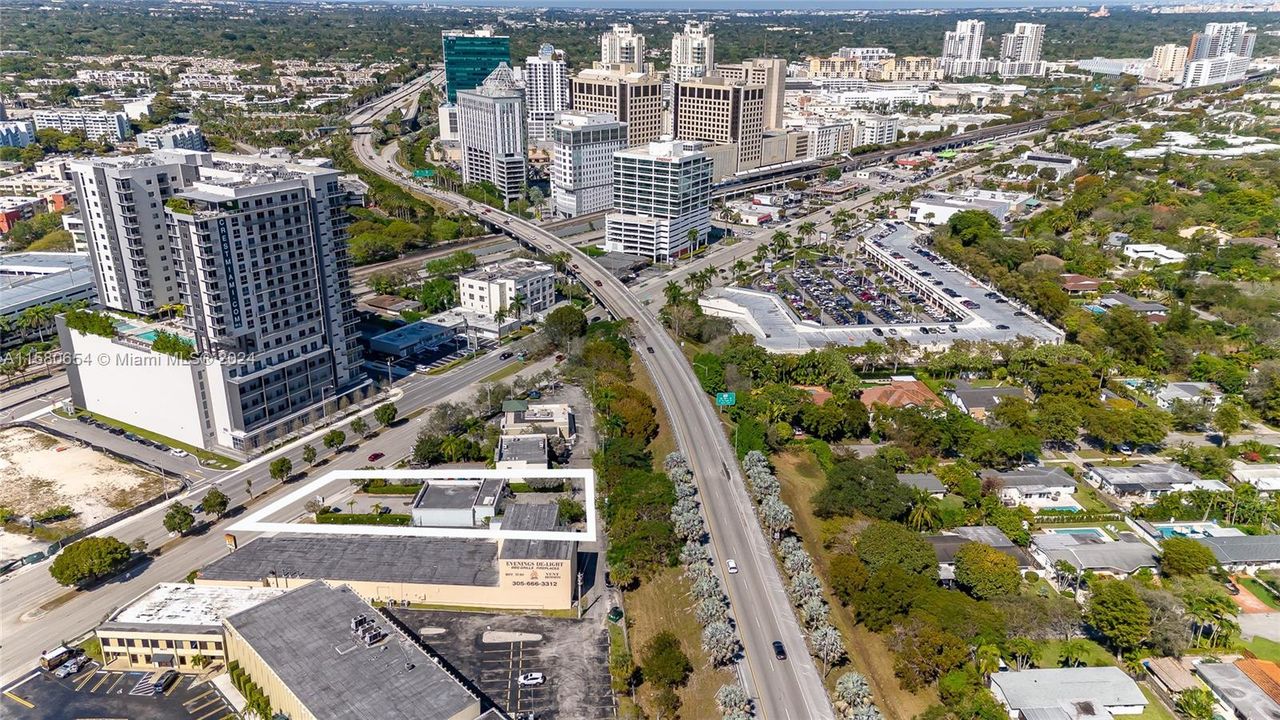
x,y
769,72
910,68
634,98
845,68
715,111
1168,63
172,624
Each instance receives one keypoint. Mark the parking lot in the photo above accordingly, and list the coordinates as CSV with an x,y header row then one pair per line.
x,y
98,693
493,651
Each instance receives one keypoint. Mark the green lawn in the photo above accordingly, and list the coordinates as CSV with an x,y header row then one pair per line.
x,y
1088,497
206,458
1260,592
1094,654
1155,709
1265,649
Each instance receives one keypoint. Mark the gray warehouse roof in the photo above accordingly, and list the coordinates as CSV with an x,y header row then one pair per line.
x,y
1055,687
1244,548
367,558
305,638
531,516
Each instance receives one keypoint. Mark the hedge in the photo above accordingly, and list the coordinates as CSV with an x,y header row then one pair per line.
x,y
363,519
392,489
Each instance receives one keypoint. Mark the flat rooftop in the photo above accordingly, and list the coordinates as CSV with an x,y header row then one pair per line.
x,y
526,448
28,279
458,494
513,269
305,638
186,605
365,558
534,516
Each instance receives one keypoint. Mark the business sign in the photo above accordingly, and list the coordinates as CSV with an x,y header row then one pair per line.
x,y
726,399
534,573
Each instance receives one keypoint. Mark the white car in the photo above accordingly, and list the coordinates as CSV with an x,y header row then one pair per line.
x,y
732,566
533,678
178,452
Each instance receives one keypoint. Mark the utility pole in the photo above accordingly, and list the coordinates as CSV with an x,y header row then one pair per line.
x,y
579,594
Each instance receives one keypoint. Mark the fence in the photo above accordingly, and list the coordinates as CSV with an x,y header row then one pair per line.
x,y
86,532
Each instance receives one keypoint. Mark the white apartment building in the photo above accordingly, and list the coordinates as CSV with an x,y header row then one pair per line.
x,y
494,287
865,54
491,132
1221,39
714,111
1021,49
1168,63
114,79
546,90
258,249
827,139
109,126
661,196
1211,71
965,42
634,98
582,151
122,212
622,45
447,114
874,130
17,133
173,137
693,52
769,72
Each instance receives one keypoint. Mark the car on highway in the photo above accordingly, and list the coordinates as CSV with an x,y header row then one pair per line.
x,y
375,457
531,679
731,566
779,651
505,356
599,283
649,348
178,452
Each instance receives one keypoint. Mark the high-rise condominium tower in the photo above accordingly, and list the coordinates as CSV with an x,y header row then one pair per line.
x,y
582,161
621,44
546,90
491,133
693,52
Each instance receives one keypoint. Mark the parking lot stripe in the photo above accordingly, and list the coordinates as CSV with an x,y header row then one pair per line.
x,y
19,700
117,682
203,706
84,681
197,698
101,680
212,713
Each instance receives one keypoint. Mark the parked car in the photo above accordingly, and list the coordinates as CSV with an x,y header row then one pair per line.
x,y
375,457
649,348
533,678
167,678
73,666
178,452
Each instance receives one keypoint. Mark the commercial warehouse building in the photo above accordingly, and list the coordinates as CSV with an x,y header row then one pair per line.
x,y
322,653
508,573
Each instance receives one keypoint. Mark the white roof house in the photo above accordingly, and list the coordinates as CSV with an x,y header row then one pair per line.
x,y
1202,393
1068,693
1153,251
1265,477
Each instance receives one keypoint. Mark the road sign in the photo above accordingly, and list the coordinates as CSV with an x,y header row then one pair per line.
x,y
726,398
424,173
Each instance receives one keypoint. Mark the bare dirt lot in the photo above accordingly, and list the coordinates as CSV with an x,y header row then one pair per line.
x,y
41,472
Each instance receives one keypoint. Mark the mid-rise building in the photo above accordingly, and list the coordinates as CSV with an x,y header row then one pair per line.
x,y
693,52
1211,71
255,251
173,137
96,125
909,68
469,57
836,67
546,90
17,133
1021,49
1221,39
494,288
491,132
29,279
865,54
622,45
583,145
1168,63
661,200
871,129
114,78
769,72
714,111
447,114
634,98
18,208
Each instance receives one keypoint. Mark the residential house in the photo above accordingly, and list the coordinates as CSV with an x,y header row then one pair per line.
x,y
1080,693
1200,393
978,402
1037,488
1245,687
1094,551
1264,476
1244,553
1154,311
1076,284
1155,252
1146,482
901,392
927,482
948,544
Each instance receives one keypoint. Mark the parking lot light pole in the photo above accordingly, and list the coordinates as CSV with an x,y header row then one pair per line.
x,y
579,594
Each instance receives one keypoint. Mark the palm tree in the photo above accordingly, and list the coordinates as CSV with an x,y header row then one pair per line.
x,y
924,511
454,448
518,305
987,658
1072,653
694,237
499,317
806,230
673,293
36,318
740,269
1023,651
780,241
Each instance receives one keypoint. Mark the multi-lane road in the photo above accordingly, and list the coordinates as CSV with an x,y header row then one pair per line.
x,y
790,689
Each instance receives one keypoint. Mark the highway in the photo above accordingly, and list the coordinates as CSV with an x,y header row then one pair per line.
x,y
790,689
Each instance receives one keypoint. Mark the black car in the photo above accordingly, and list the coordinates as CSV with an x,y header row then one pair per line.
x,y
505,356
649,348
163,682
779,651
877,331
1002,327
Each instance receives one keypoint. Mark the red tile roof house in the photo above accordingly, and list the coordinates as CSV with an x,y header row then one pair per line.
x,y
1075,284
901,394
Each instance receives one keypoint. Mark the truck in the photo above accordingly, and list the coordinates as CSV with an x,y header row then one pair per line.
x,y
51,659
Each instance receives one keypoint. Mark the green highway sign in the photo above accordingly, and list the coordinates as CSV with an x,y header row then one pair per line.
x,y
726,398
424,172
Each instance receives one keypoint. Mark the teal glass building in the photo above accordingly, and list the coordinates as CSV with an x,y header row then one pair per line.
x,y
469,57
